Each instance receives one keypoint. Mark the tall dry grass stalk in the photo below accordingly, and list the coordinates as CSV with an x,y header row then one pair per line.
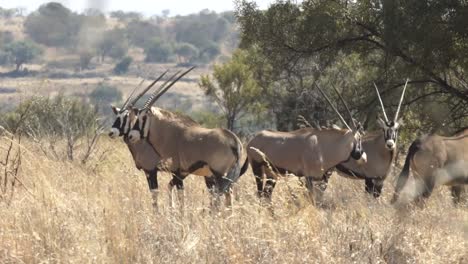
x,y
102,212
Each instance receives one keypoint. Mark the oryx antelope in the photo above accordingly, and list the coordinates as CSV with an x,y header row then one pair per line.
x,y
435,160
191,148
380,147
143,154
307,152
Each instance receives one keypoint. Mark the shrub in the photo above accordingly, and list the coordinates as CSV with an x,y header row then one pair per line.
x,y
105,94
122,66
158,51
54,119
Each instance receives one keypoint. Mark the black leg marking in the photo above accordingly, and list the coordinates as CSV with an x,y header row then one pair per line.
x,y
210,183
457,192
152,178
177,180
258,173
374,187
269,187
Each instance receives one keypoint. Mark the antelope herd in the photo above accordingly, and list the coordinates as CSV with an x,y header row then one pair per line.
x,y
161,140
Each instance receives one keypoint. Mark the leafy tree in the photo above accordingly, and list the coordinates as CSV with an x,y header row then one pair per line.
x,y
186,52
22,52
210,51
105,94
53,25
141,33
86,56
6,37
234,88
313,40
113,44
125,16
158,51
122,66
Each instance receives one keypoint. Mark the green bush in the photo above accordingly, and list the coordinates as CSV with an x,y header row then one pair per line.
x,y
122,66
52,117
105,94
158,51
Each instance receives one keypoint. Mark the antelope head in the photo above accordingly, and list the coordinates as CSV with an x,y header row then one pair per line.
x,y
390,127
122,123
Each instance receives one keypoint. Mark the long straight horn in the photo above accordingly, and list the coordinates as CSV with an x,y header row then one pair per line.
x,y
330,103
169,86
346,106
147,89
125,104
381,103
401,100
157,91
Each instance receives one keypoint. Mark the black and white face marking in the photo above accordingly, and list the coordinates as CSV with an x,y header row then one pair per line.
x,y
358,152
121,125
140,128
390,130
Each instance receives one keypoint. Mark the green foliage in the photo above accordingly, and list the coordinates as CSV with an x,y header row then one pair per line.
x,y
85,58
105,94
122,66
234,88
208,119
186,52
158,51
22,52
113,44
53,25
351,44
141,33
53,117
6,37
125,16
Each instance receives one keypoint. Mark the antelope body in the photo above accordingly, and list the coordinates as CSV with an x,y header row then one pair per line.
x,y
380,147
307,152
436,160
192,149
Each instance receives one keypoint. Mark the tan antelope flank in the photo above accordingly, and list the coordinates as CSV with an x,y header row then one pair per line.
x,y
143,154
435,160
380,147
191,148
306,152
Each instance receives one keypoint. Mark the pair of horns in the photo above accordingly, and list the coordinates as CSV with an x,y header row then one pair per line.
x,y
336,110
163,88
399,104
130,102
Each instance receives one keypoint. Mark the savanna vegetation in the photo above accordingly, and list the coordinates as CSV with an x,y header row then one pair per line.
x,y
68,193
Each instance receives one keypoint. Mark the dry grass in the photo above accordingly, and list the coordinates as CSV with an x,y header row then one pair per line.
x,y
102,213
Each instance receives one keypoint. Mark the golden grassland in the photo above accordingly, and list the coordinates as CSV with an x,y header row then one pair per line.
x,y
101,212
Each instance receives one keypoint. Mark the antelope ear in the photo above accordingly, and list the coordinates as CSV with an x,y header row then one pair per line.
x,y
116,110
135,111
381,122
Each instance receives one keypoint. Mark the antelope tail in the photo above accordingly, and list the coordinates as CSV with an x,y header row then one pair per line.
x,y
244,167
236,171
403,177
267,161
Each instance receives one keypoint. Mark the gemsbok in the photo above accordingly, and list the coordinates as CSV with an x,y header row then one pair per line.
x,y
143,154
380,147
306,152
434,160
191,148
